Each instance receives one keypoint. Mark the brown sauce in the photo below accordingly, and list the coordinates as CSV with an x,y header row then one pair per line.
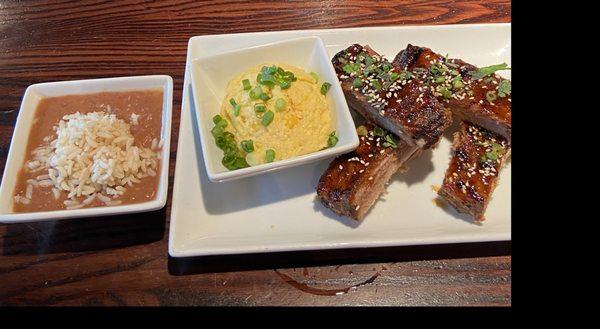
x,y
145,103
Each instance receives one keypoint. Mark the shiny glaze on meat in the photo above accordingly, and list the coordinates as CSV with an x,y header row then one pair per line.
x,y
469,180
495,115
353,181
402,106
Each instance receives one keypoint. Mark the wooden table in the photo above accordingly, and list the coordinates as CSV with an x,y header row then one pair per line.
x,y
124,260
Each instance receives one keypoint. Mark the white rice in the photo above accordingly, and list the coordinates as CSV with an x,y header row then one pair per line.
x,y
71,203
89,199
32,182
103,198
92,154
42,177
25,200
46,183
134,119
113,203
55,193
29,191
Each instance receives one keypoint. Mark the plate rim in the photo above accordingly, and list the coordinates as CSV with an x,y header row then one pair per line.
x,y
174,252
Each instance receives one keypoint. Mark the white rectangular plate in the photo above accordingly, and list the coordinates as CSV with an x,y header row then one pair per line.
x,y
278,211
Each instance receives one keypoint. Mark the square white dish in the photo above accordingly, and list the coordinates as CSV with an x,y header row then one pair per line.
x,y
211,75
16,154
278,211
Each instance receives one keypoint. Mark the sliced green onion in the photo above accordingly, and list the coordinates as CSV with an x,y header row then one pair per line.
x,y
280,104
325,88
265,97
236,107
362,130
269,155
378,131
246,84
436,69
369,61
285,84
491,155
247,146
485,71
376,85
315,76
259,108
267,118
332,139
457,84
351,67
446,93
440,79
219,121
504,88
357,83
491,96
496,147
390,141
255,93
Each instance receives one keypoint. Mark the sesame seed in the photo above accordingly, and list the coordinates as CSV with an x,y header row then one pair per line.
x,y
357,207
341,167
370,178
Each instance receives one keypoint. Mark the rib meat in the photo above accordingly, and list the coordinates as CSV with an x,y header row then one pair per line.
x,y
478,156
389,97
476,100
354,181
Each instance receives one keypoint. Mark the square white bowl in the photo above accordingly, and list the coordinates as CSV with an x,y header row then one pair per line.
x,y
18,145
210,76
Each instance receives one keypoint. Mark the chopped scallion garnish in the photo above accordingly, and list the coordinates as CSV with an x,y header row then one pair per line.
x,y
247,146
485,71
332,139
246,84
315,76
280,104
260,108
267,118
325,88
362,130
504,88
255,92
269,155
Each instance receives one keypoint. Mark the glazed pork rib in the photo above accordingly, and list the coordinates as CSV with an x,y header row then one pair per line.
x,y
478,156
476,95
385,96
389,97
354,181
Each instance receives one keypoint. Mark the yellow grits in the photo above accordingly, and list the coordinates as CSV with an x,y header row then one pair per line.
x,y
302,126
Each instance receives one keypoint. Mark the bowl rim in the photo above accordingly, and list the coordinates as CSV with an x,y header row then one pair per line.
x,y
22,127
339,101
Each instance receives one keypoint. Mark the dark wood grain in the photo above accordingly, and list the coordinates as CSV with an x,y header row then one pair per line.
x,y
123,260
